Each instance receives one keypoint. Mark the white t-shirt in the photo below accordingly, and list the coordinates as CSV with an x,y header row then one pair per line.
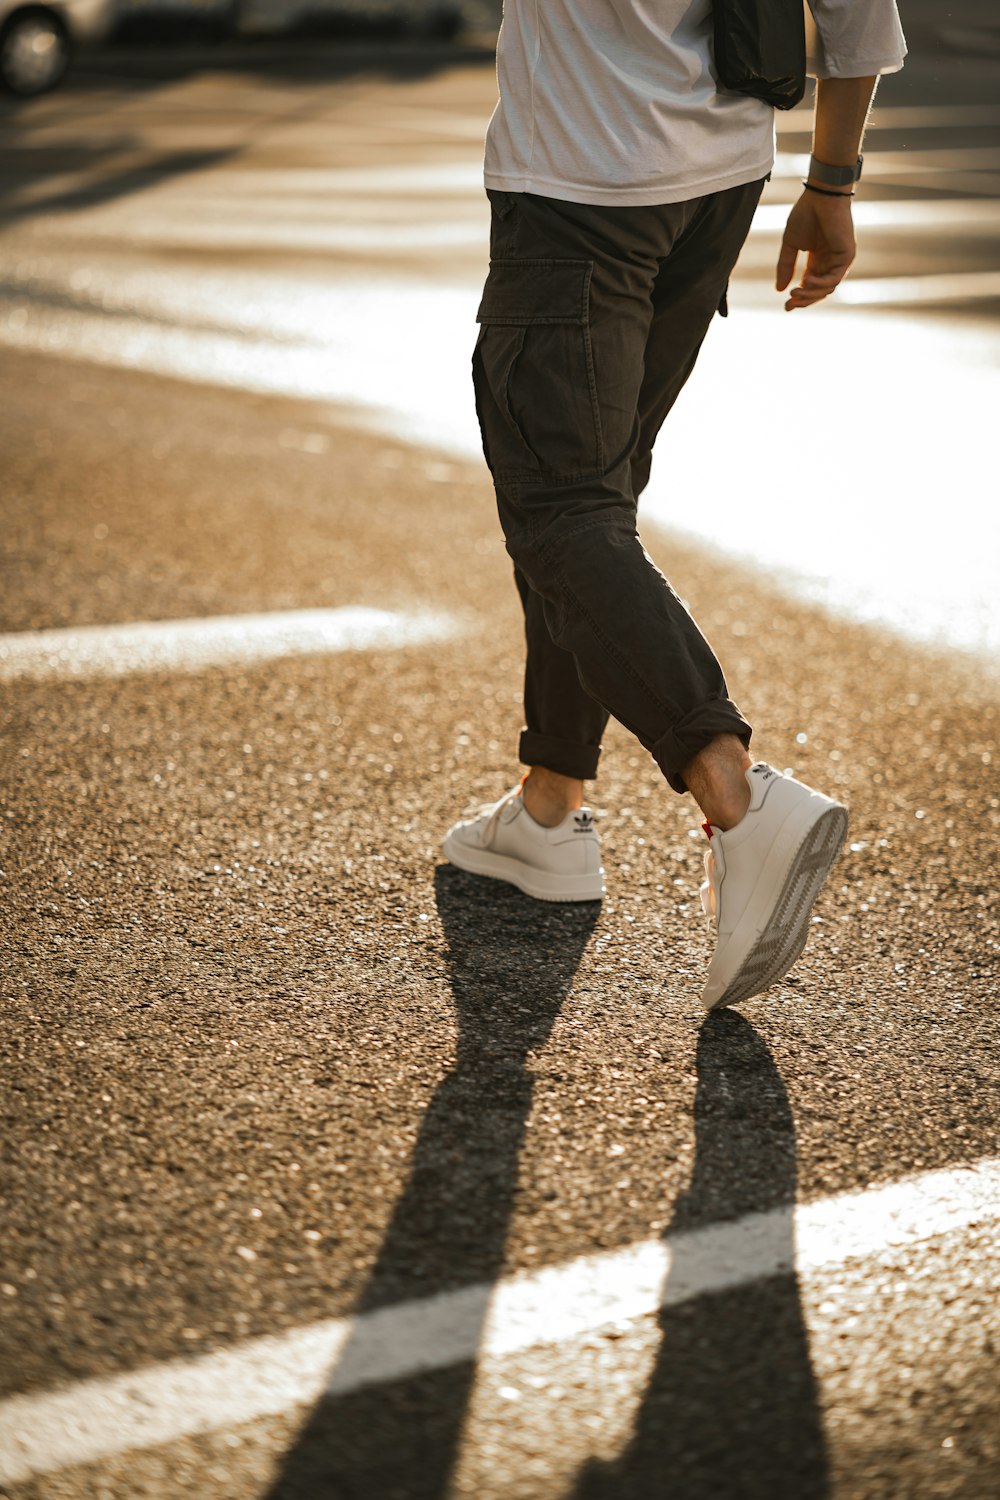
x,y
615,101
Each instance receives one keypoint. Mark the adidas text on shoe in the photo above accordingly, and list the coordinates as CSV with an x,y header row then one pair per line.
x,y
551,864
762,877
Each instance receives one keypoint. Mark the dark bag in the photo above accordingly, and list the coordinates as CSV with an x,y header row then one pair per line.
x,y
760,49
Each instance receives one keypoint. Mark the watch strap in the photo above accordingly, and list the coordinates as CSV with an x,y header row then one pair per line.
x,y
821,171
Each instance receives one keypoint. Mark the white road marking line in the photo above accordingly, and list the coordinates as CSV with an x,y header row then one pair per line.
x,y
462,222
225,640
961,286
186,225
905,163
945,215
417,177
902,117
418,119
372,239
97,1419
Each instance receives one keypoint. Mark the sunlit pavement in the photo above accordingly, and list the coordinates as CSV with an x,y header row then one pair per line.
x,y
289,1110
268,230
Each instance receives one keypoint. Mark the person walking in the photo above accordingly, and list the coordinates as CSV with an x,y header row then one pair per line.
x,y
623,179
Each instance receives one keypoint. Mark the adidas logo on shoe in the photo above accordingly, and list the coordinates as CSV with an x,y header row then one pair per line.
x,y
765,772
583,822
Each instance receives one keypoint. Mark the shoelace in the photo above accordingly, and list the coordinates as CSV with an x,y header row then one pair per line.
x,y
495,809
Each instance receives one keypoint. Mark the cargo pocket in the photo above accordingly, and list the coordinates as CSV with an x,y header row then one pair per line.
x,y
534,371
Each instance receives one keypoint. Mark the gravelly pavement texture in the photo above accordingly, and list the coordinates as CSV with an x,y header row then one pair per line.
x,y
267,1060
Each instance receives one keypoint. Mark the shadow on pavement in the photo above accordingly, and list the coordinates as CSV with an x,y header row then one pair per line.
x,y
511,964
139,73
117,184
732,1405
731,1408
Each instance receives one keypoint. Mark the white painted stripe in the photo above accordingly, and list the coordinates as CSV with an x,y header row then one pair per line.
x,y
190,226
903,163
902,117
374,238
420,179
224,640
187,225
410,177
420,118
945,215
880,291
264,1377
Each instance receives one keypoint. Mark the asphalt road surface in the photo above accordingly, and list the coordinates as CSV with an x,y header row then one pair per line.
x,y
330,1171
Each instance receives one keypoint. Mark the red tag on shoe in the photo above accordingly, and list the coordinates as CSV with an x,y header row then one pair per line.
x,y
708,828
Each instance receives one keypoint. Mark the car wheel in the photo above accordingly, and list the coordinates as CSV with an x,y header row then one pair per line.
x,y
34,52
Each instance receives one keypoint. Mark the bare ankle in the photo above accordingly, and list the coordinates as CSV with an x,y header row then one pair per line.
x,y
548,796
716,779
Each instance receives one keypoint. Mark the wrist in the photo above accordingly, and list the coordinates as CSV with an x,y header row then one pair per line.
x,y
825,192
836,176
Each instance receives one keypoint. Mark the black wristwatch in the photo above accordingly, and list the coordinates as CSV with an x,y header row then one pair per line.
x,y
835,176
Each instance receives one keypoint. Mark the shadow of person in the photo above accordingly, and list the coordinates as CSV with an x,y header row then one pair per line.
x,y
511,963
731,1408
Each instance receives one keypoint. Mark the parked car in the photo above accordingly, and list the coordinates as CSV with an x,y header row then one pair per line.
x,y
188,22
38,38
441,17
144,21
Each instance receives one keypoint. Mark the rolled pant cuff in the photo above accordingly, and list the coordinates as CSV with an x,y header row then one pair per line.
x,y
682,743
561,756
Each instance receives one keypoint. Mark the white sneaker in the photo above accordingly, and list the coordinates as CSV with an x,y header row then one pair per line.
x,y
551,864
762,878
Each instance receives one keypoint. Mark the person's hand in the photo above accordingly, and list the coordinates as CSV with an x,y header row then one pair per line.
x,y
824,229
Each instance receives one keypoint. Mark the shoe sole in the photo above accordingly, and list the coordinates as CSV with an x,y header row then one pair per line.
x,y
781,942
537,883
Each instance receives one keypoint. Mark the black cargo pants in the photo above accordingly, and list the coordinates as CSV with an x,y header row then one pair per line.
x,y
591,322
